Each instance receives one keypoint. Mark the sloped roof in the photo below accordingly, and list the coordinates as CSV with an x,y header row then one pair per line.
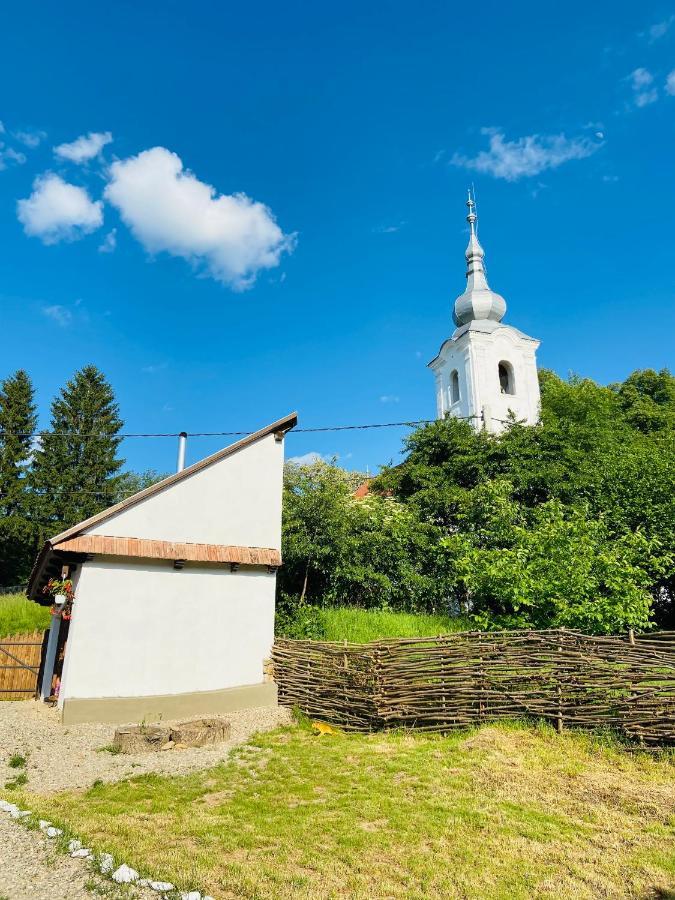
x,y
363,489
280,427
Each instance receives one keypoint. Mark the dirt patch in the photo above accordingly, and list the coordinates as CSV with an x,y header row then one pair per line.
x,y
74,757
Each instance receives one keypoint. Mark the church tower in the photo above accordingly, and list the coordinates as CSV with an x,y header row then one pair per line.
x,y
486,370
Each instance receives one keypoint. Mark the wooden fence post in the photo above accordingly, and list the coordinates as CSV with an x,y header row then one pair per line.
x,y
559,722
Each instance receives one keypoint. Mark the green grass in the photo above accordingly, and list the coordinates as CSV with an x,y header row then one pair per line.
x,y
113,749
348,623
19,615
18,781
505,811
17,761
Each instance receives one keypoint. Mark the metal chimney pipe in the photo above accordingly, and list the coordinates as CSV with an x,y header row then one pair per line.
x,y
182,441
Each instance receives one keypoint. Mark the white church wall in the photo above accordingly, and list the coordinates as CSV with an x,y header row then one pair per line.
x,y
235,501
142,628
476,356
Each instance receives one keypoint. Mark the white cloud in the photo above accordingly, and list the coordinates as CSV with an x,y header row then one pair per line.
x,y
167,208
659,29
59,314
308,459
525,156
646,98
610,179
109,242
388,229
58,211
153,368
670,83
641,80
86,147
9,155
389,398
30,139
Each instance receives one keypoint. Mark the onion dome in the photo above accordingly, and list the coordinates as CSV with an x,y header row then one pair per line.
x,y
477,301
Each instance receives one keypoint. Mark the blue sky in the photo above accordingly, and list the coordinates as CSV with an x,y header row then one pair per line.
x,y
319,269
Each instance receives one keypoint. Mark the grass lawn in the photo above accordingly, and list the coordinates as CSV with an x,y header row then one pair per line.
x,y
506,811
348,623
19,615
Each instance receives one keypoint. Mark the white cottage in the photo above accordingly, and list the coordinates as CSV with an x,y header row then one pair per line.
x,y
174,592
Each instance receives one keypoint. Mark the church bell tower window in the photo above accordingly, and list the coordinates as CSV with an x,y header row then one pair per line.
x,y
506,381
454,388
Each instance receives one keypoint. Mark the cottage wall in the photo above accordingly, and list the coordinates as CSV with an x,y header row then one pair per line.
x,y
236,501
143,629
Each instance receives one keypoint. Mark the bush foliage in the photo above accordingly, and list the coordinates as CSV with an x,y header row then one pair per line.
x,y
567,523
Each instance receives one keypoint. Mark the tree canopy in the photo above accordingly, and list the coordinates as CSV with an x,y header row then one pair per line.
x,y
18,419
569,522
74,472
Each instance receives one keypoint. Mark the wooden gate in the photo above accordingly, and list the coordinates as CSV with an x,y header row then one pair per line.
x,y
20,657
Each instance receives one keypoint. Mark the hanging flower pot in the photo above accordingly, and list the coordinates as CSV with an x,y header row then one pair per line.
x,y
62,595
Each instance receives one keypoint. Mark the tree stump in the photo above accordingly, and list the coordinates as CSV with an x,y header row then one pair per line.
x,y
141,738
201,732
150,738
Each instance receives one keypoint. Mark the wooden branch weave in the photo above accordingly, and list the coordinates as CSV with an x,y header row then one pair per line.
x,y
442,683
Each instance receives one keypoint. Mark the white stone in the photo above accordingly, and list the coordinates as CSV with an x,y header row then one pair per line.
x,y
191,895
125,874
6,806
106,863
82,853
161,886
74,845
44,824
53,832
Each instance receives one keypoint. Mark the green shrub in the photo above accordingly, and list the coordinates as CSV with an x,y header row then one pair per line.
x,y
300,622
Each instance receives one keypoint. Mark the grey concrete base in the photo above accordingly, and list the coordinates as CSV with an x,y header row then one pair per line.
x,y
121,710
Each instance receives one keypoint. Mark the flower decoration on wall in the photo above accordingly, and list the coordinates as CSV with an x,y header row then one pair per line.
x,y
61,591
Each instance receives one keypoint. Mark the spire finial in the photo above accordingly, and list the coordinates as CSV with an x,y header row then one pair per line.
x,y
471,203
477,301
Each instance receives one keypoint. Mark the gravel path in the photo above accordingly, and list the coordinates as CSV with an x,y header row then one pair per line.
x,y
33,729
31,868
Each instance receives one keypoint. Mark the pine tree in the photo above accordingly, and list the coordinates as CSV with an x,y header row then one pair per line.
x,y
17,424
74,471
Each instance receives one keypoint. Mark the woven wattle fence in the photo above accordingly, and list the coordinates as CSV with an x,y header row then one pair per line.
x,y
438,684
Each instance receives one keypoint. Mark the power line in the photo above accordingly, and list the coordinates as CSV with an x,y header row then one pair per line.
x,y
327,428
172,434
211,434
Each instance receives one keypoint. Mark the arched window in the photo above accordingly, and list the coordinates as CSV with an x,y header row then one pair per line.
x,y
506,381
454,388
